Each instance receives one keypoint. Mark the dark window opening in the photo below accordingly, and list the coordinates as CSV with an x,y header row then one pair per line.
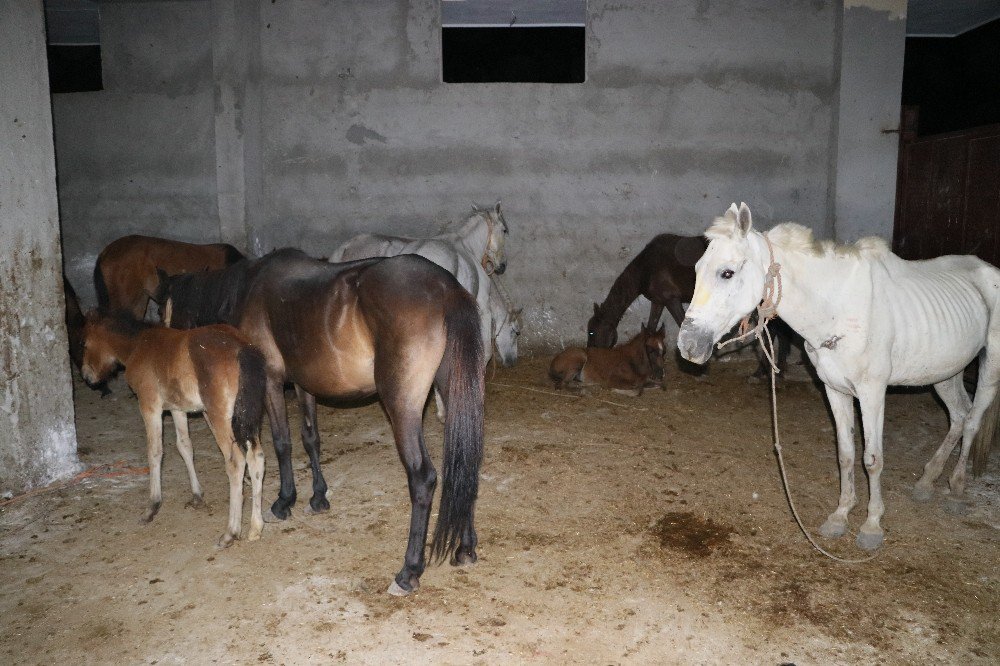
x,y
514,55
513,41
73,38
74,68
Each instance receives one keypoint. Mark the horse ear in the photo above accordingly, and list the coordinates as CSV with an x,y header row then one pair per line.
x,y
497,207
745,221
475,208
660,331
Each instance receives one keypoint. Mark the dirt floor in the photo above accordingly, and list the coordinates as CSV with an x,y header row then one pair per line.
x,y
612,530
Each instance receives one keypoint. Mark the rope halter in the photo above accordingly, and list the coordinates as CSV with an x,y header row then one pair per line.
x,y
766,310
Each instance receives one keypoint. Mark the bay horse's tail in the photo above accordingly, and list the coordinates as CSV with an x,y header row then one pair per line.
x,y
986,438
463,427
100,286
249,406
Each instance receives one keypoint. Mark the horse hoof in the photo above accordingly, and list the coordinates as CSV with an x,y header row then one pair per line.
x,y
397,590
922,493
150,513
196,502
225,541
869,540
833,529
316,506
270,517
956,506
254,535
463,559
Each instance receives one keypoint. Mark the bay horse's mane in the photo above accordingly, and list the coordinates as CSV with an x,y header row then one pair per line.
x,y
798,238
207,297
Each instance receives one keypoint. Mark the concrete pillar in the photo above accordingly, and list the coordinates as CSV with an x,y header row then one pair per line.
x,y
872,44
235,68
37,432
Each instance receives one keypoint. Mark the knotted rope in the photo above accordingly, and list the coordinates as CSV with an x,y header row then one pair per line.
x,y
767,310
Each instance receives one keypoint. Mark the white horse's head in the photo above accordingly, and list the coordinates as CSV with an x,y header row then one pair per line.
x,y
494,259
729,283
508,330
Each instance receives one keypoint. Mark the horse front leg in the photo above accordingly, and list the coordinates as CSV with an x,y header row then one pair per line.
x,y
152,415
675,309
184,448
842,406
872,401
277,416
310,442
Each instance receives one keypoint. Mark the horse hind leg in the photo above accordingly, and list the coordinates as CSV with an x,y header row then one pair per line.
x,y
236,464
255,465
986,395
310,442
185,449
956,400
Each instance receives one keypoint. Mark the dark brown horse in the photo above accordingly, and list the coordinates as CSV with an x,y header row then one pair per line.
x,y
212,369
125,274
628,367
392,327
663,272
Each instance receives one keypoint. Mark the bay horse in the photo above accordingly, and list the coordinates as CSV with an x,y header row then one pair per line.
x,y
663,272
629,367
869,320
387,327
125,275
472,252
212,369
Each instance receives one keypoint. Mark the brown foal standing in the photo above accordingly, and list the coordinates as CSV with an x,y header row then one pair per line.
x,y
211,369
629,367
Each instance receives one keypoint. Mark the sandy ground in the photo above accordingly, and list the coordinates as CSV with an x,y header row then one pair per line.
x,y
612,530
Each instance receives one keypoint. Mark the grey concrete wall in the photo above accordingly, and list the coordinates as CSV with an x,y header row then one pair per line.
x,y
345,126
687,107
873,38
37,436
139,156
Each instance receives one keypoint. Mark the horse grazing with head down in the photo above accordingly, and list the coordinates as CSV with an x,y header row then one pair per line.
x,y
663,272
628,367
392,328
212,370
869,320
125,274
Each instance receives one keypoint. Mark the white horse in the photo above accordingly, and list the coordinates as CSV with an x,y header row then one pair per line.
x,y
472,253
506,322
869,320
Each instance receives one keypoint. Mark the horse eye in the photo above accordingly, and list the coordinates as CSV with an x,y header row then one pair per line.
x,y
726,274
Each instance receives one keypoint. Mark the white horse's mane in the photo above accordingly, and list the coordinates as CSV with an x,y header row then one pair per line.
x,y
797,238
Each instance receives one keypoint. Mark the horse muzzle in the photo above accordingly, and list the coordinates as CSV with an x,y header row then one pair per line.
x,y
500,268
695,343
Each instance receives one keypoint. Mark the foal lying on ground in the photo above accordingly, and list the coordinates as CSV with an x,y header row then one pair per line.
x,y
210,369
629,367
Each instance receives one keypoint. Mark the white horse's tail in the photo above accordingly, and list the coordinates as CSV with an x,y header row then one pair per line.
x,y
986,438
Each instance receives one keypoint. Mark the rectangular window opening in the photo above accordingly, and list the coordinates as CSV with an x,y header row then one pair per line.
x,y
73,45
513,41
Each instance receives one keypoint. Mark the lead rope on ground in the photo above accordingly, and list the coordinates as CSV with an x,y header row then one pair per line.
x,y
766,311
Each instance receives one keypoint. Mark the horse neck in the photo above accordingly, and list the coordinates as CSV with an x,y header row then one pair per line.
x,y
474,235
805,276
121,345
624,291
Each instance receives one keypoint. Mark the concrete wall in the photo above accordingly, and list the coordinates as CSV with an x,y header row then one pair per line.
x,y
139,156
344,125
37,437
